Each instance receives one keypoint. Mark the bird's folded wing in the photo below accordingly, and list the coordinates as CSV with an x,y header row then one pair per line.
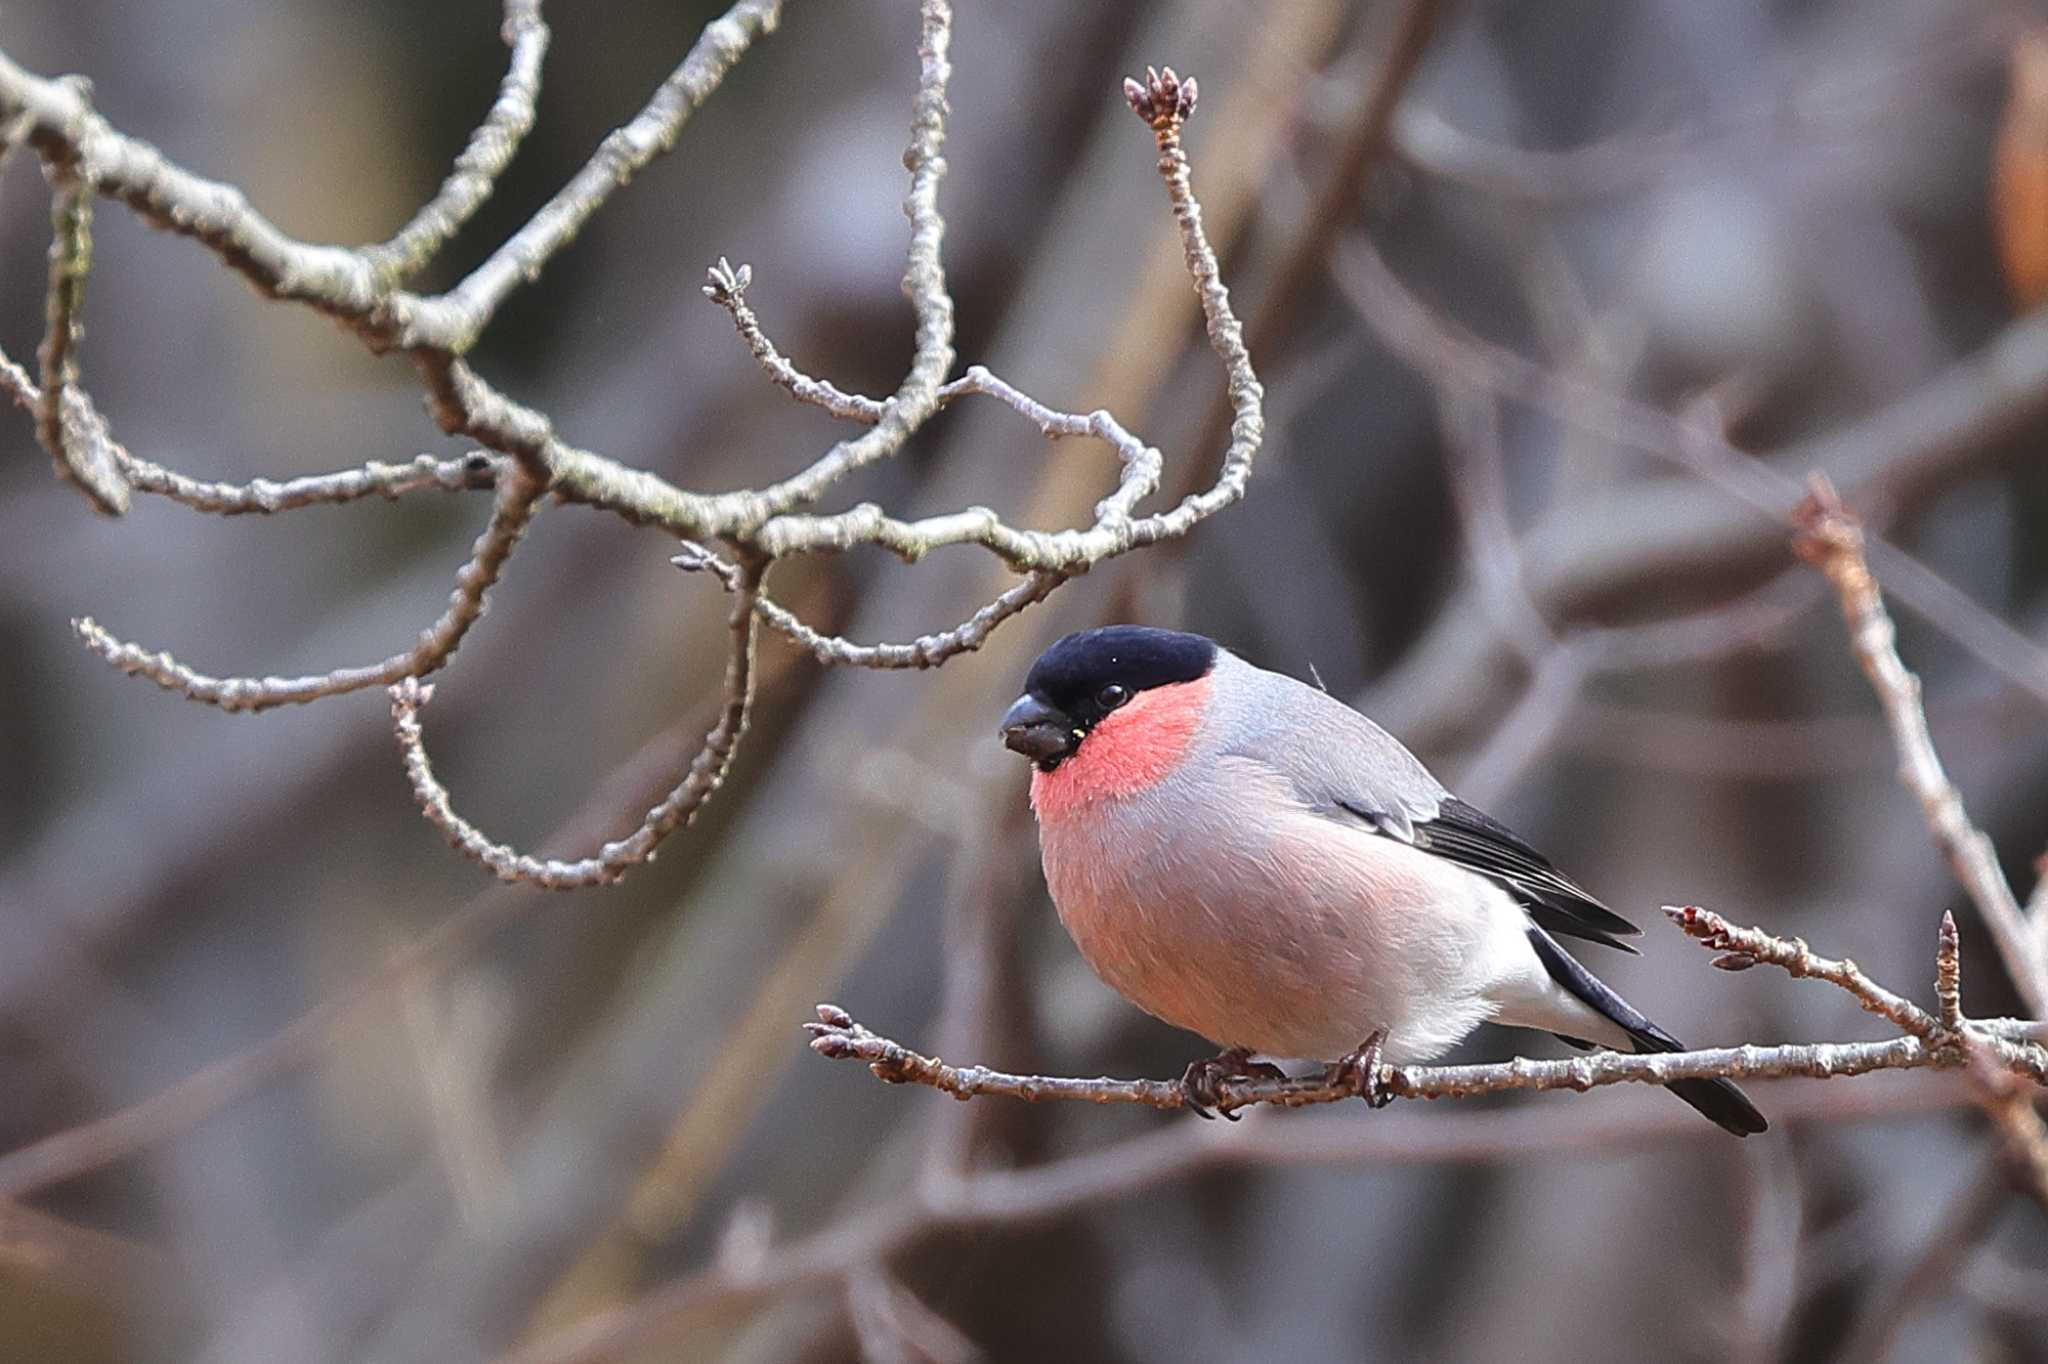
x,y
1460,833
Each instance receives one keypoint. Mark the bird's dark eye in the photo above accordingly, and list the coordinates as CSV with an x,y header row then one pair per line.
x,y
1112,696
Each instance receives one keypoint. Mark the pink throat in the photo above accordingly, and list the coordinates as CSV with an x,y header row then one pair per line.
x,y
1127,751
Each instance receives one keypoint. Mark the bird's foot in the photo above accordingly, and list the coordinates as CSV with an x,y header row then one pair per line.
x,y
1363,1072
1201,1083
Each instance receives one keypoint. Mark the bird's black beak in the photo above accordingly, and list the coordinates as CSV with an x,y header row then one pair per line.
x,y
1039,732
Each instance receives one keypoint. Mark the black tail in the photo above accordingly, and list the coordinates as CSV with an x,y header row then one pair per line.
x,y
1719,1100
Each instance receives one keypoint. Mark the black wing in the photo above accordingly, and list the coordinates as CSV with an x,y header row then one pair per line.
x,y
1462,834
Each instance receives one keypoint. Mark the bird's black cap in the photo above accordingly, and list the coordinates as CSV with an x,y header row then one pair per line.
x,y
1089,674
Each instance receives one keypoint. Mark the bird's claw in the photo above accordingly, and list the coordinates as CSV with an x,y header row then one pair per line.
x,y
1201,1084
1363,1072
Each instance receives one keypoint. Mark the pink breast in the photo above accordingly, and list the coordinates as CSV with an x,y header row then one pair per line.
x,y
1129,750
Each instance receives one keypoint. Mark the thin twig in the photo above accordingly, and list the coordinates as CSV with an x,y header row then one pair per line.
x,y
699,782
263,497
529,460
453,321
1047,559
517,499
1830,539
475,472
1748,946
490,149
727,287
1114,531
76,444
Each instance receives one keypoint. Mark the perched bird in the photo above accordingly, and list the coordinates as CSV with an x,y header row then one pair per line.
x,y
1244,856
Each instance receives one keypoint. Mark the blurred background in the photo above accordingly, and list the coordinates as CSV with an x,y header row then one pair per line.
x,y
1546,367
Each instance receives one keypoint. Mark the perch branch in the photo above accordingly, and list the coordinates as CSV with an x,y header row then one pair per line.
x,y
837,1036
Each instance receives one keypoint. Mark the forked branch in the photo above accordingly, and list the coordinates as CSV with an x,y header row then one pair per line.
x,y
524,460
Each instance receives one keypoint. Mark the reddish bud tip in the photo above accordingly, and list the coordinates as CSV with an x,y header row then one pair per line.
x,y
1162,99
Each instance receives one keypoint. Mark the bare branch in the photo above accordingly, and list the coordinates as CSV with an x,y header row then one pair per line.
x,y
705,773
453,321
1047,558
260,496
2006,1040
1830,539
727,287
516,502
470,473
490,149
760,524
353,285
927,651
1748,946
1114,532
837,1036
77,445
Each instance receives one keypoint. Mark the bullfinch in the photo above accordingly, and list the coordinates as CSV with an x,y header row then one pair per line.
x,y
1246,857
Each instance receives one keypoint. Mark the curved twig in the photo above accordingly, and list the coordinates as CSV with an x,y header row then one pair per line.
x,y
699,782
490,149
517,499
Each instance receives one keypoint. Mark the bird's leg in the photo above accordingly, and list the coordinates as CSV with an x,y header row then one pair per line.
x,y
1200,1082
1360,1074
